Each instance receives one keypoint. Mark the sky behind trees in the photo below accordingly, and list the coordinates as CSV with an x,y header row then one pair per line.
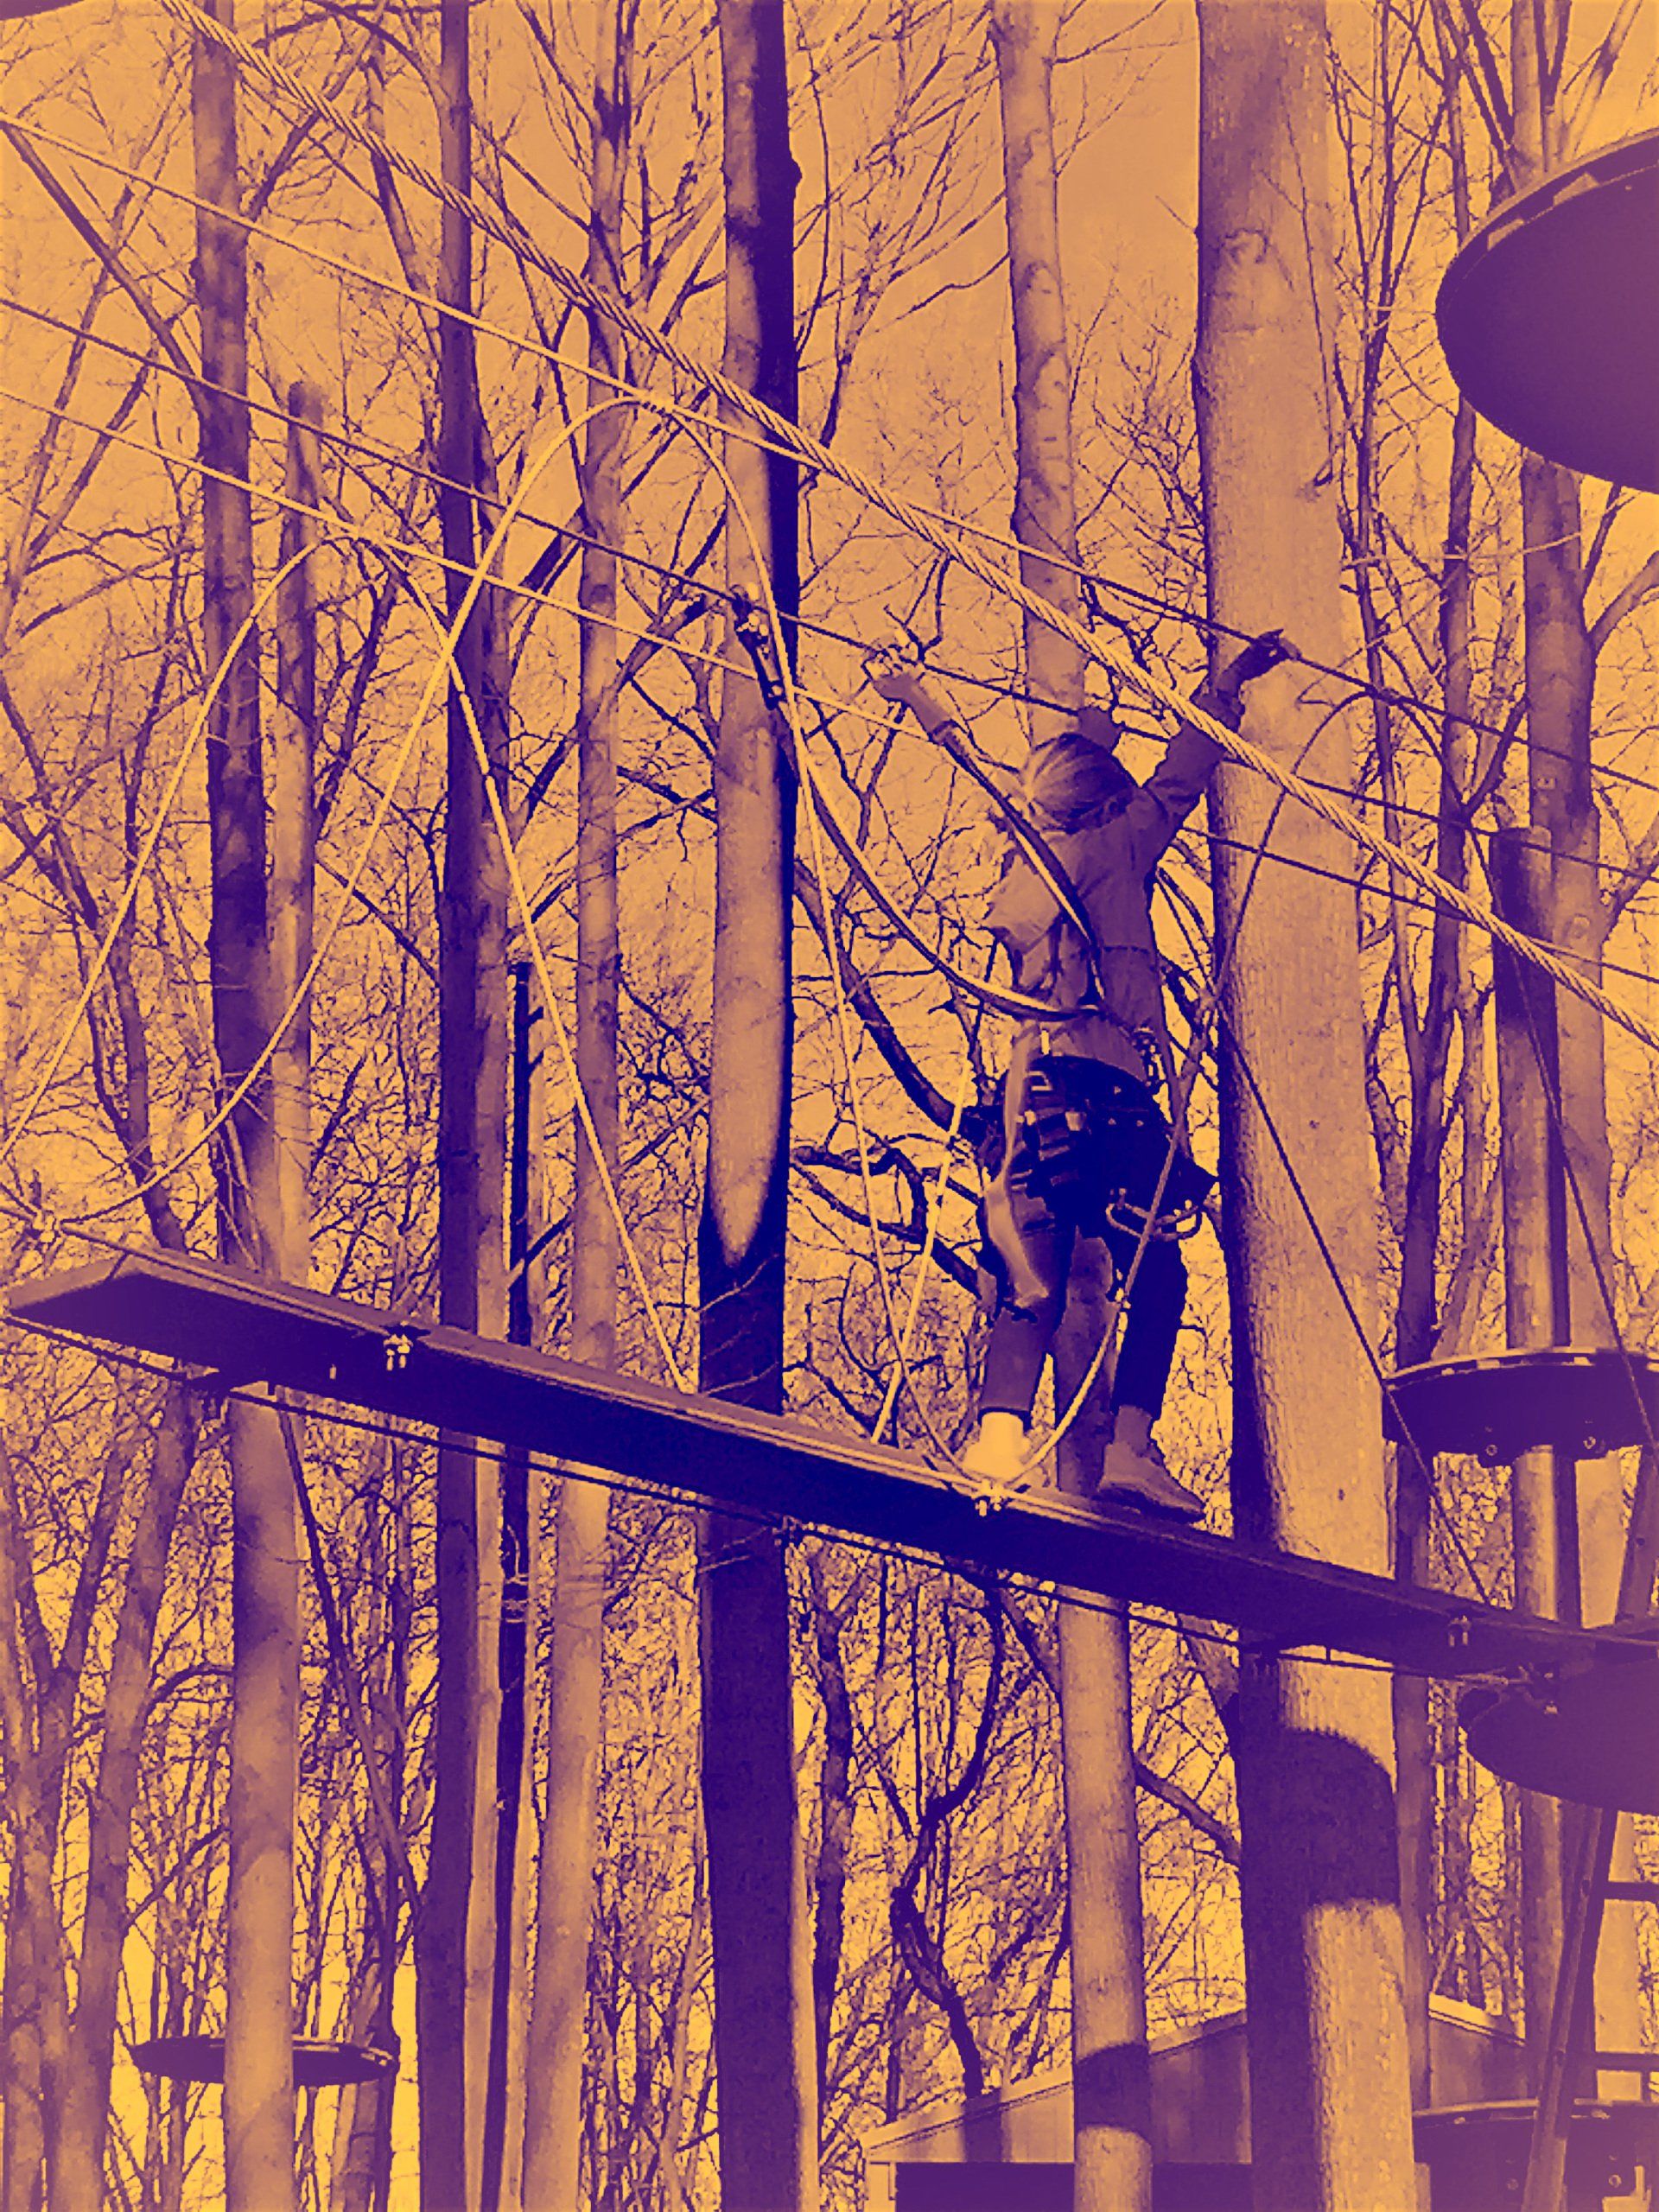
x,y
925,1706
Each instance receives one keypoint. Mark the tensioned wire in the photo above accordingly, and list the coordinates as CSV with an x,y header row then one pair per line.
x,y
1449,896
948,542
1442,894
1327,1257
478,579
125,904
813,812
816,809
959,525
354,444
1550,1081
1004,1001
244,1088
900,1336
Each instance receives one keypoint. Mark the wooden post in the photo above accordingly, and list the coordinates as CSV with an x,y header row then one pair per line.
x,y
765,2063
1324,1954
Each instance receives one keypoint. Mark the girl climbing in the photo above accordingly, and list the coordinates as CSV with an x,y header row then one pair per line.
x,y
1076,1144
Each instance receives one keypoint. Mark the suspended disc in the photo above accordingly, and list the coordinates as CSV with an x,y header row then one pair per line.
x,y
1586,1402
1591,1737
1550,315
317,2065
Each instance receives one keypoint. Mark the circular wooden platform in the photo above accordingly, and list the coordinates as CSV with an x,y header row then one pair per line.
x,y
317,2065
1582,1401
1550,315
1477,2153
1589,1736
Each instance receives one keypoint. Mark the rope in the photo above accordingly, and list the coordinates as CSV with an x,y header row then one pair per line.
x,y
1001,1001
959,525
595,300
448,641
998,1001
387,456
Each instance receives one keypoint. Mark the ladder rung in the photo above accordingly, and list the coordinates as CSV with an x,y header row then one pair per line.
x,y
1624,2062
1631,1893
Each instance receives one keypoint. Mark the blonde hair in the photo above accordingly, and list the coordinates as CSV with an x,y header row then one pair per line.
x,y
1074,778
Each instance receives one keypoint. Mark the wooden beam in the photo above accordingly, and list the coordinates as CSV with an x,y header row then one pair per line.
x,y
248,1331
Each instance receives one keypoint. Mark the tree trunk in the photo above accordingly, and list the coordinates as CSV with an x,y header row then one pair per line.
x,y
1111,2111
505,2103
1560,678
1429,1038
763,2017
1536,1313
1329,2071
1111,2080
456,1934
258,2102
79,2180
292,839
1024,33
559,2014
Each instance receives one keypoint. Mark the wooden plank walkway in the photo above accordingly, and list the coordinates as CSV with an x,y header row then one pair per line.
x,y
251,1331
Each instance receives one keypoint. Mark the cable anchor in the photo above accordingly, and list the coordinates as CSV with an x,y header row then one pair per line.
x,y
753,632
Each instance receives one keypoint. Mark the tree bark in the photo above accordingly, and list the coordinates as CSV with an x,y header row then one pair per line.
x,y
1536,1312
258,2102
559,2013
292,839
1329,2069
507,2100
1111,2076
763,2013
1023,34
1429,1033
1560,678
79,2181
1111,2092
456,1933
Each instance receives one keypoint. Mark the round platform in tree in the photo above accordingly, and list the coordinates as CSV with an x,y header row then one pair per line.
x,y
1549,314
1477,2154
317,2064
1582,1401
1591,1735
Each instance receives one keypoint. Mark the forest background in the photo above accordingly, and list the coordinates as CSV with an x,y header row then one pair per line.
x,y
924,1705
